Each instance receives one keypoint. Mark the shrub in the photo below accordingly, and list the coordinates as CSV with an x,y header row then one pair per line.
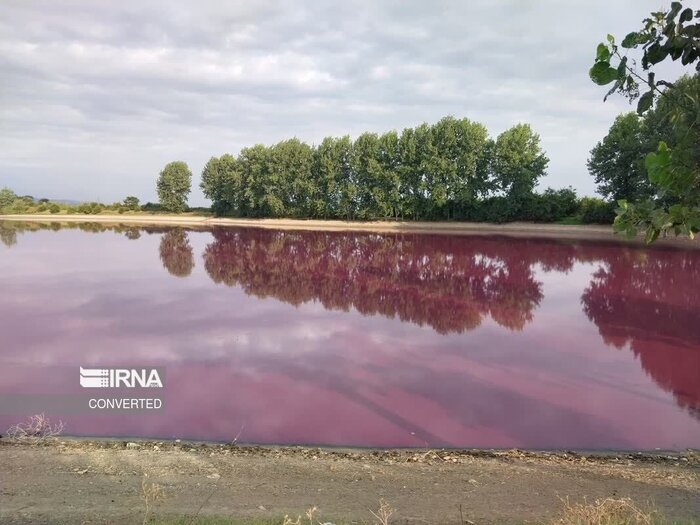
x,y
596,211
54,208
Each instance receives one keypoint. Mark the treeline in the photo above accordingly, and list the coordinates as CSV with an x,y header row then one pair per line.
x,y
11,203
451,170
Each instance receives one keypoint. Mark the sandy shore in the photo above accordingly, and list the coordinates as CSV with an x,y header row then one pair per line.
x,y
87,481
515,229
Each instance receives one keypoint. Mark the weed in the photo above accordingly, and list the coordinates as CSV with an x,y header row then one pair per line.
x,y
38,427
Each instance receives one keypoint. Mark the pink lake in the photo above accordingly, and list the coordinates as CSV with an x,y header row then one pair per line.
x,y
391,340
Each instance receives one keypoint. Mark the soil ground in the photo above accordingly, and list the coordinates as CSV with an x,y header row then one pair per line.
x,y
75,481
515,229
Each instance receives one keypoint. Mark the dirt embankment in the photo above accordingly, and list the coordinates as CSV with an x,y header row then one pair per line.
x,y
78,481
519,229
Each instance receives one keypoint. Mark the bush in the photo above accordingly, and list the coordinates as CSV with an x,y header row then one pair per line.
x,y
54,208
131,203
596,211
150,206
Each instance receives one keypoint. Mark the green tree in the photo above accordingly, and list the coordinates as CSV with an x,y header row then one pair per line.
x,y
675,171
518,161
131,203
222,183
408,173
7,197
471,157
174,185
372,198
389,179
617,162
332,170
290,167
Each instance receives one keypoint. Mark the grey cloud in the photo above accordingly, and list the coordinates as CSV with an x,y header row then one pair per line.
x,y
97,97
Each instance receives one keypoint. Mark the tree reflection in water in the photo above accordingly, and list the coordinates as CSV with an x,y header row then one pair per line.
x,y
446,282
650,300
176,253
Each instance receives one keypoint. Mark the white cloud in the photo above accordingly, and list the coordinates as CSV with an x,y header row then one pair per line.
x,y
97,97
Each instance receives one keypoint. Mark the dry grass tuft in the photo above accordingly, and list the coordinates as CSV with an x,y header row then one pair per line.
x,y
383,513
310,514
608,511
151,493
38,427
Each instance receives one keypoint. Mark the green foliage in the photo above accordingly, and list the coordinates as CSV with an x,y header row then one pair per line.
x,y
518,161
434,172
174,185
664,34
89,208
131,203
596,211
151,207
674,168
617,162
7,197
54,208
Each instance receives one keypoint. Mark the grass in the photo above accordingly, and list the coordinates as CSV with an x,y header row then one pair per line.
x,y
608,511
216,520
569,221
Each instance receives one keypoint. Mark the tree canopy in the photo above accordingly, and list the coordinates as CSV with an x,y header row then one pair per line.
x,y
174,185
617,162
438,171
7,197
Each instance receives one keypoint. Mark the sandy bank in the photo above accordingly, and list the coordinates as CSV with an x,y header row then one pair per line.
x,y
515,229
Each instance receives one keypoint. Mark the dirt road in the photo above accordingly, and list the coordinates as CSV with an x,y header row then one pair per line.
x,y
76,481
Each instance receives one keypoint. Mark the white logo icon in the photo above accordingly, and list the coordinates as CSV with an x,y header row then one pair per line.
x,y
120,377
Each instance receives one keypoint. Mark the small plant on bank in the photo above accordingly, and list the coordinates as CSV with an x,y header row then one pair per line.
x,y
151,493
383,513
37,428
608,511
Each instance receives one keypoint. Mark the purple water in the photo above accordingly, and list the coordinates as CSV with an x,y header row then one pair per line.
x,y
359,339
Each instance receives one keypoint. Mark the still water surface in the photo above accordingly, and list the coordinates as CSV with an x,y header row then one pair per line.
x,y
358,338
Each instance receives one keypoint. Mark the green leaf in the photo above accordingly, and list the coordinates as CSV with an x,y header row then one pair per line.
x,y
653,55
601,73
675,8
645,102
630,40
686,15
652,235
658,164
602,53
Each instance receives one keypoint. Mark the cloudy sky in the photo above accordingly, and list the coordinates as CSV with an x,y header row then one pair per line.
x,y
95,97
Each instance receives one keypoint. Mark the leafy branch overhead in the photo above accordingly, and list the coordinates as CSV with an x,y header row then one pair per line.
x,y
665,35
674,168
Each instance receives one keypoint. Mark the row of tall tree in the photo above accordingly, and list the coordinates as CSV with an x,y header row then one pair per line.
x,y
436,171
